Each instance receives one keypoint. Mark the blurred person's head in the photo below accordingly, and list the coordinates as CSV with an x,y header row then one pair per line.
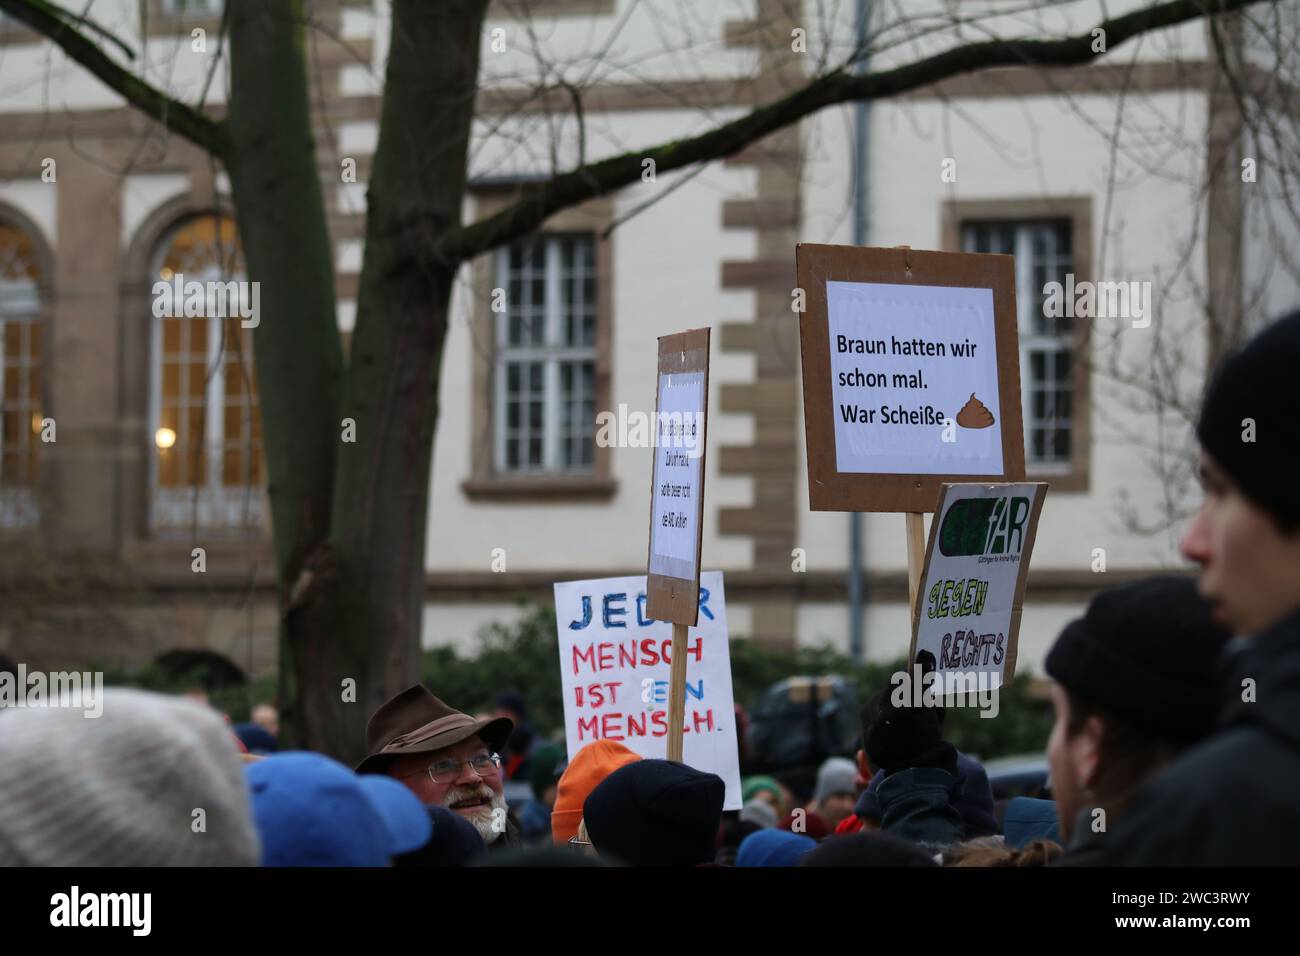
x,y
266,717
1134,686
771,848
542,776
867,849
125,788
765,788
313,811
511,705
735,827
991,851
446,758
589,766
836,790
255,738
656,813
1246,535
759,812
454,841
543,856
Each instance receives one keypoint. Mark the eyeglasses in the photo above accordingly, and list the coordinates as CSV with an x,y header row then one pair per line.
x,y
445,771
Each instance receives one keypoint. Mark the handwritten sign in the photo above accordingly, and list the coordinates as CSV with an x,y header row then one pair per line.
x,y
677,479
674,530
973,587
911,374
614,668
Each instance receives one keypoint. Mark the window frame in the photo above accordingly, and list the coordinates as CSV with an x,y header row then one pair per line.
x,y
33,498
1073,475
213,506
551,353
159,21
486,479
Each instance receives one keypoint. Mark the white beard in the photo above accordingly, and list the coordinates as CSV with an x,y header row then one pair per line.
x,y
489,821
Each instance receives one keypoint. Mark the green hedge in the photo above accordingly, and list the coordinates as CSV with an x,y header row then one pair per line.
x,y
525,657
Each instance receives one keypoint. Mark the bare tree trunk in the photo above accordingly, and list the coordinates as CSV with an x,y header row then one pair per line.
x,y
297,350
363,621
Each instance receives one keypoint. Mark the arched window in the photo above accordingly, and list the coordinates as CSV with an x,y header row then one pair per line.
x,y
20,377
203,398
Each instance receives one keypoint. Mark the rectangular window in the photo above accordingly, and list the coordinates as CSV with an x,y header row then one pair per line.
x,y
1043,251
191,8
209,461
21,417
545,356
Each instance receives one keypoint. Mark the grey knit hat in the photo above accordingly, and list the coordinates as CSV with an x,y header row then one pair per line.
x,y
122,789
836,775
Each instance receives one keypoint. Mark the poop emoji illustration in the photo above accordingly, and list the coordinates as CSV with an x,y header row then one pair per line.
x,y
974,415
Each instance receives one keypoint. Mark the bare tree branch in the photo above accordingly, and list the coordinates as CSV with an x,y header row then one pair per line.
x,y
538,202
56,24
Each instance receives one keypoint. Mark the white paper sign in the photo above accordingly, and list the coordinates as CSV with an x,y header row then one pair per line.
x,y
674,543
968,617
914,379
615,665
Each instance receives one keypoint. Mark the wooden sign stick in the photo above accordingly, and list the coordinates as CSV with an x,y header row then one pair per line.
x,y
677,694
915,558
677,502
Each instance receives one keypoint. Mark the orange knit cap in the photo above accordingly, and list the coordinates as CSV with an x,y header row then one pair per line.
x,y
592,764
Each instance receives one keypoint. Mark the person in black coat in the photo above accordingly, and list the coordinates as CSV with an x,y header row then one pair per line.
x,y
1134,686
1235,798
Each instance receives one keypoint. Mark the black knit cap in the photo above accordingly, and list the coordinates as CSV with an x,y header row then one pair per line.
x,y
1145,653
656,813
1259,383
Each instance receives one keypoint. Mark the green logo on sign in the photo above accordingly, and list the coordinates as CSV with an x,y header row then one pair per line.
x,y
984,526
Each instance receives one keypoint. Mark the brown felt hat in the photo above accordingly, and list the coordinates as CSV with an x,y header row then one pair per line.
x,y
416,722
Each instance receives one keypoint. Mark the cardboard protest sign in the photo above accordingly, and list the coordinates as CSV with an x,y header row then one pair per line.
x,y
911,374
677,479
614,668
967,611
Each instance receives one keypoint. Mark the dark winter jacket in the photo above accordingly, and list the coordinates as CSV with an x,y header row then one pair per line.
x,y
917,804
973,799
1233,800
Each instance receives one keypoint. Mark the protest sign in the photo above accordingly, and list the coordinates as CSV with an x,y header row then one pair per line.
x,y
911,374
677,478
615,663
967,609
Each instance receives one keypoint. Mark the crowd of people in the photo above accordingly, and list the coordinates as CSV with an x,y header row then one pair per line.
x,y
1176,740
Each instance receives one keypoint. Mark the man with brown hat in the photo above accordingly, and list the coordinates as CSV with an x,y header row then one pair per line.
x,y
446,758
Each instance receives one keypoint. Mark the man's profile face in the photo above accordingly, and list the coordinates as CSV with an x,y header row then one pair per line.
x,y
479,799
1071,760
1250,570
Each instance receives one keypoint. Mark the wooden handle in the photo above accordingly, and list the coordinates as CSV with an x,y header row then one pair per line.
x,y
677,694
915,558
